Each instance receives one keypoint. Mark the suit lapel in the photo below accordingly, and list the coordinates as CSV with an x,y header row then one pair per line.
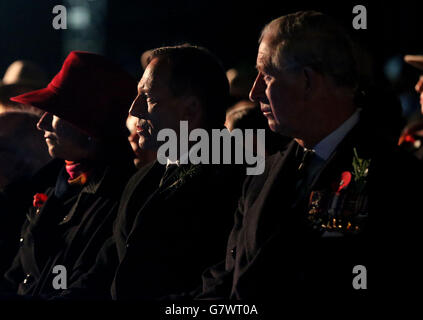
x,y
154,174
173,185
272,203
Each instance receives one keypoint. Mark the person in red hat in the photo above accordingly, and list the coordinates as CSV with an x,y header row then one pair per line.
x,y
412,136
75,198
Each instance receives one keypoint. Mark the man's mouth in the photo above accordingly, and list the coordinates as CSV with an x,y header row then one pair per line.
x,y
142,129
49,137
266,110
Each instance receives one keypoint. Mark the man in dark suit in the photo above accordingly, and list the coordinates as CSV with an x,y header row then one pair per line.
x,y
173,219
328,207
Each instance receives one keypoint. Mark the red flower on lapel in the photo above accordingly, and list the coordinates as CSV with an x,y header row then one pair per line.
x,y
342,182
345,181
409,138
39,199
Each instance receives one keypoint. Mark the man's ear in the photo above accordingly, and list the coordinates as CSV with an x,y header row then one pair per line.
x,y
311,82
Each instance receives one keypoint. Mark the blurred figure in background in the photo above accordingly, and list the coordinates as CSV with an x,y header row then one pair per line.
x,y
22,153
240,78
22,147
383,109
20,77
412,135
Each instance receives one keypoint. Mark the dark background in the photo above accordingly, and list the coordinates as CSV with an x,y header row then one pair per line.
x,y
230,29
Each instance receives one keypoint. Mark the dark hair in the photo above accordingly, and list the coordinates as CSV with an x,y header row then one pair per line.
x,y
196,71
312,39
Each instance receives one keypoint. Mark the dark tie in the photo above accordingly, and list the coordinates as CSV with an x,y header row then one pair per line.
x,y
306,157
168,173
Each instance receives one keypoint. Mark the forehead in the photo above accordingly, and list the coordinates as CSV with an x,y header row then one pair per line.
x,y
156,75
264,56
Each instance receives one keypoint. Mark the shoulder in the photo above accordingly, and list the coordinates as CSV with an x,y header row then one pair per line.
x,y
135,180
140,174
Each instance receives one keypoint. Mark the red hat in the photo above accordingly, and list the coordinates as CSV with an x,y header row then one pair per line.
x,y
90,92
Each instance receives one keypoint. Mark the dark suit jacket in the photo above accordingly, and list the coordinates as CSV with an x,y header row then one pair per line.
x,y
166,236
275,251
68,231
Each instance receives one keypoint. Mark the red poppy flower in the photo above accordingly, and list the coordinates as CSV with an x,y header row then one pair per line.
x,y
39,199
409,138
344,182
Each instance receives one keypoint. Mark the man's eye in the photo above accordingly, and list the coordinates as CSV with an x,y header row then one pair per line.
x,y
267,78
147,97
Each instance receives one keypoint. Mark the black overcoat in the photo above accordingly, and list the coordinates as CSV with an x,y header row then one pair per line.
x,y
276,250
166,236
68,231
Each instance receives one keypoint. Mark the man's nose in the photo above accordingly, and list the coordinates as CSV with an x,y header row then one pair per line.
x,y
257,91
44,124
138,107
133,137
419,85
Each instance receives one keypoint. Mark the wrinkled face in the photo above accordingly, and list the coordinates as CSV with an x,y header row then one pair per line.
x,y
419,89
64,140
155,106
280,93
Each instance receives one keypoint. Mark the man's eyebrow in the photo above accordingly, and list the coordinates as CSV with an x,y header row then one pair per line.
x,y
143,86
261,67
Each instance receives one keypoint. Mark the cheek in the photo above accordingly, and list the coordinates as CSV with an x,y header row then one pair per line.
x,y
69,138
275,100
155,117
168,117
61,130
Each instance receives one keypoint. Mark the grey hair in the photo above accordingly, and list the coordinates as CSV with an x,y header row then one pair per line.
x,y
312,39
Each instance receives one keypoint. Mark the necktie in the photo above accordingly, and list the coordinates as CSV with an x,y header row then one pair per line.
x,y
307,156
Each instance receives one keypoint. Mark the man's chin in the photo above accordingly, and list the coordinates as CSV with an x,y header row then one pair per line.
x,y
280,129
52,152
273,125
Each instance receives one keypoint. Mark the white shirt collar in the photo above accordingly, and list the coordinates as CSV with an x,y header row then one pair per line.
x,y
326,146
170,162
183,159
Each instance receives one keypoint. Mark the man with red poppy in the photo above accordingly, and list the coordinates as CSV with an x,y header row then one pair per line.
x,y
173,220
333,198
412,136
168,233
